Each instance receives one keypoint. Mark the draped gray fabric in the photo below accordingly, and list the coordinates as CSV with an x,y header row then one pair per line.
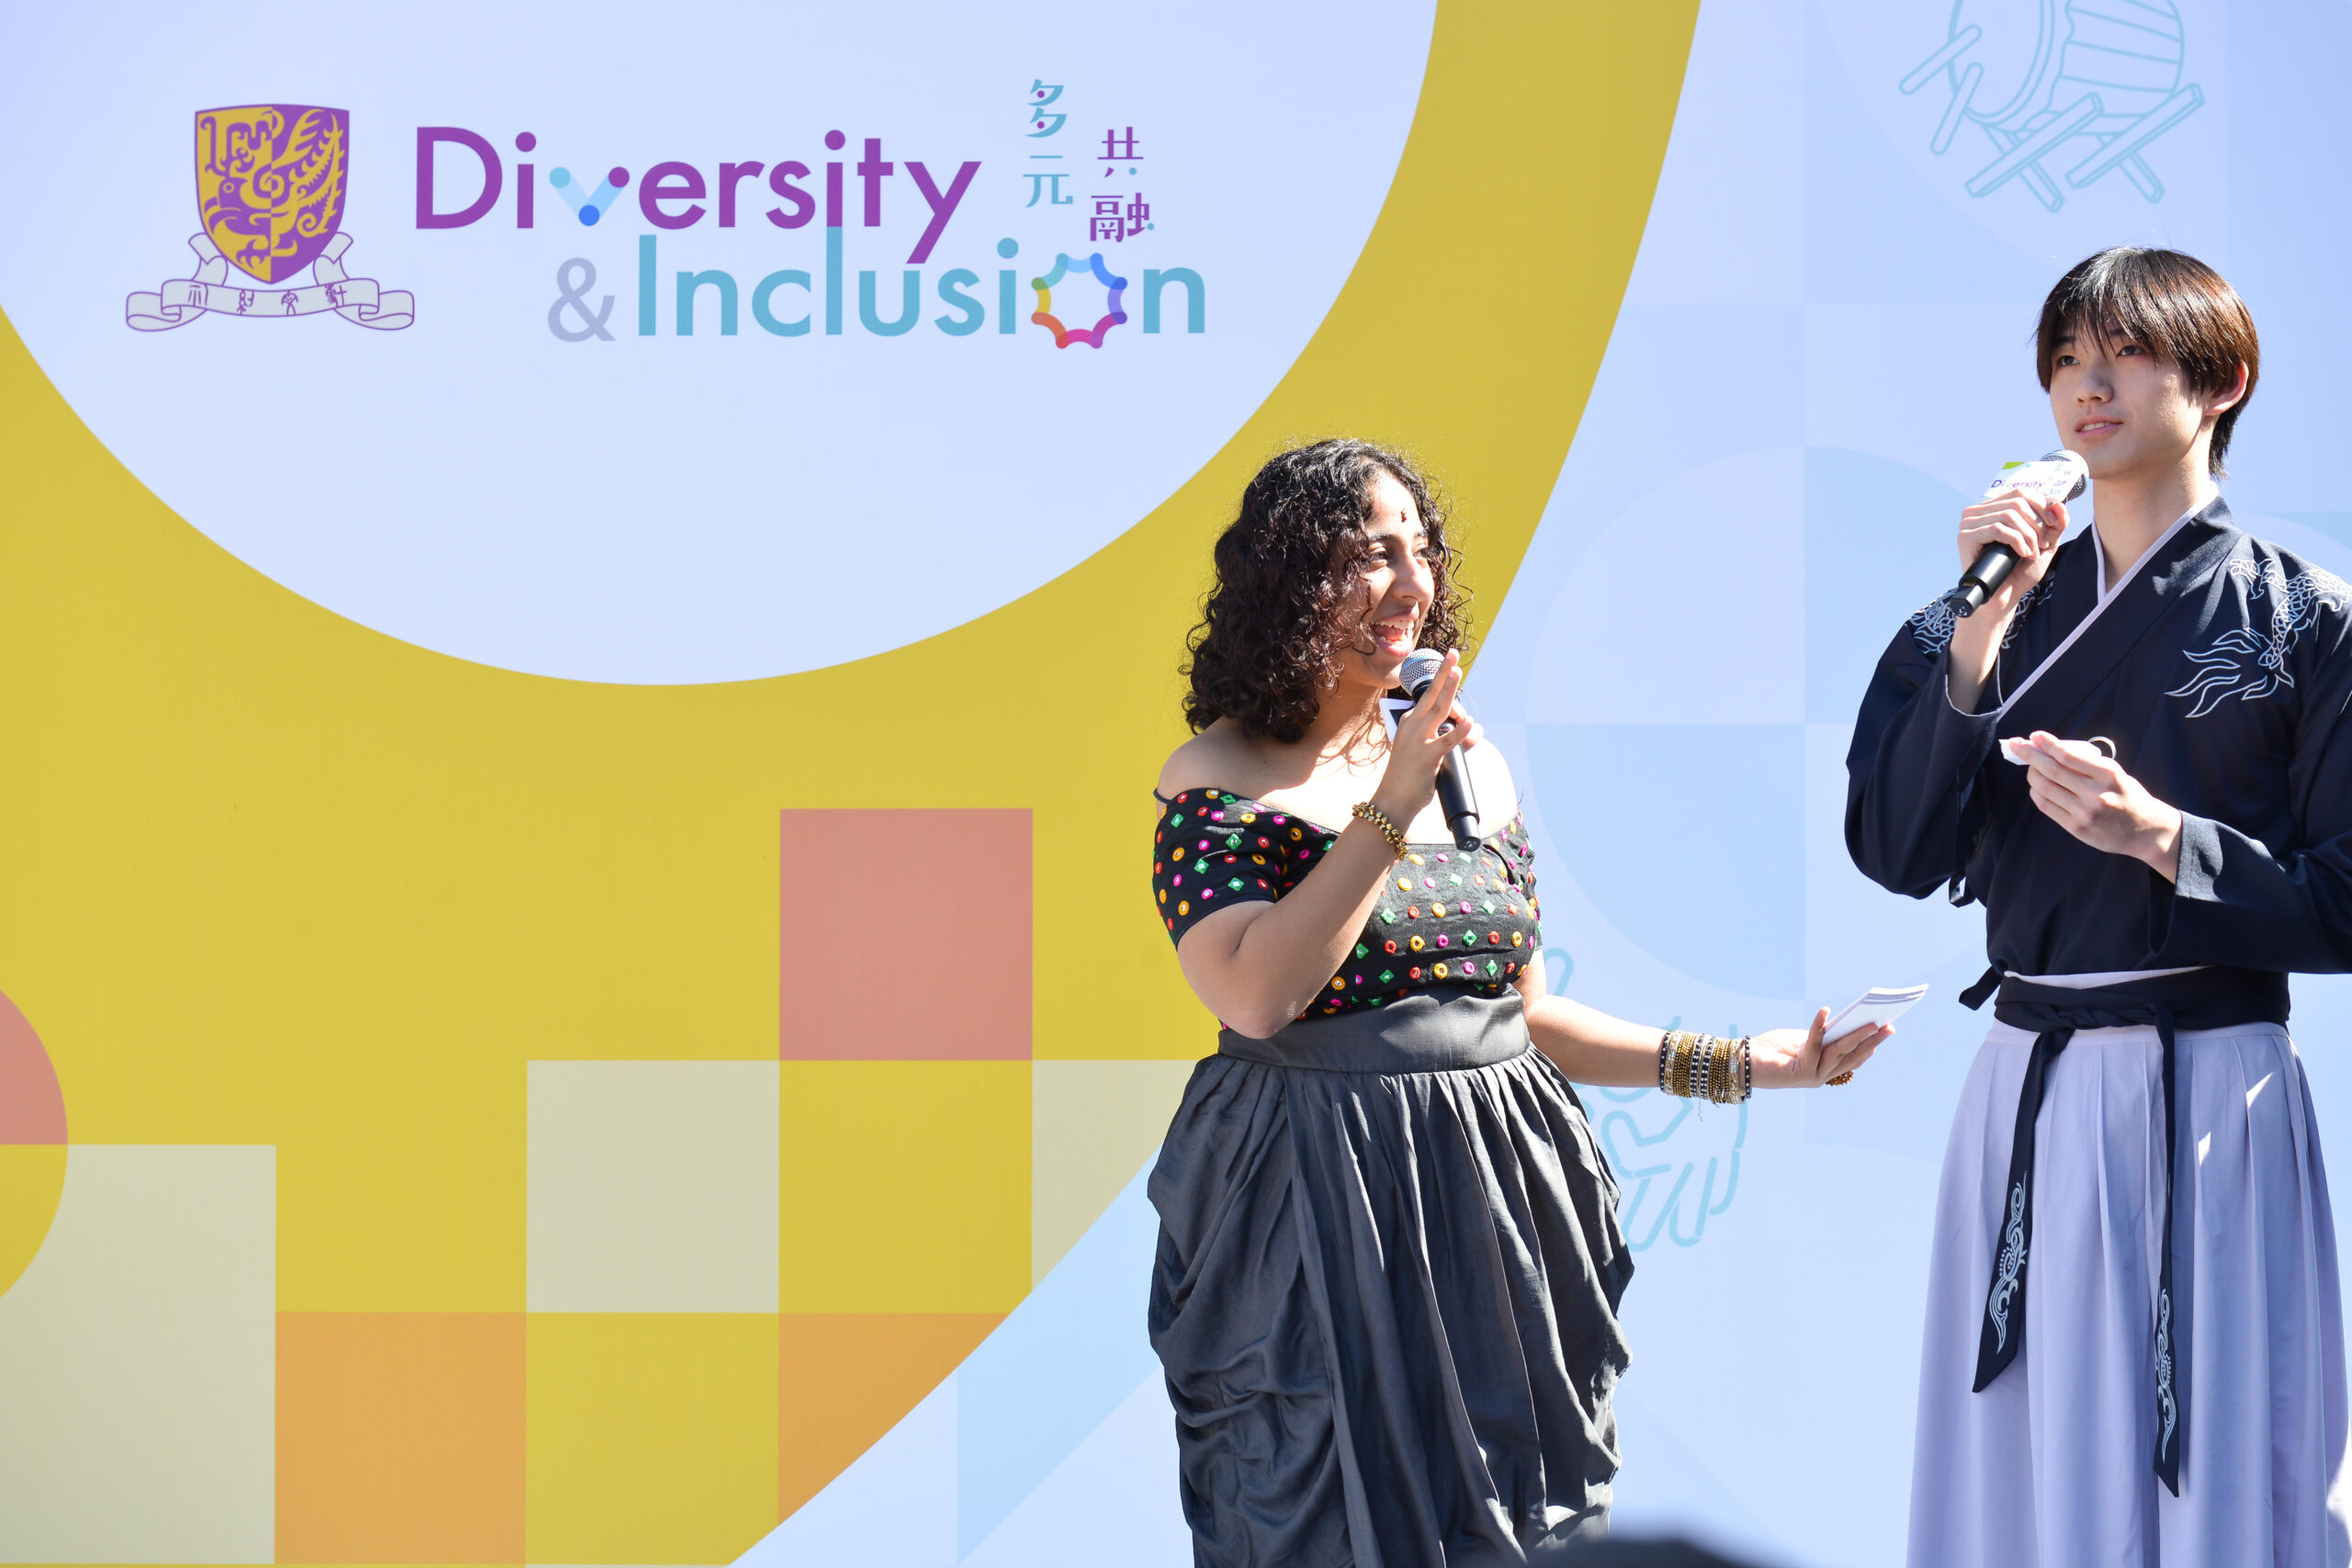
x,y
1386,1294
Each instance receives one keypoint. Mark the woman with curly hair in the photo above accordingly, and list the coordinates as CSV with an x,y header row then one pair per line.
x,y
1389,1264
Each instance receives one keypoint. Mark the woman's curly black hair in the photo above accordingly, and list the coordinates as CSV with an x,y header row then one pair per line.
x,y
1271,631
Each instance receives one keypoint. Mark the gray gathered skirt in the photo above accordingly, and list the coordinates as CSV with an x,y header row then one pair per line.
x,y
1386,1295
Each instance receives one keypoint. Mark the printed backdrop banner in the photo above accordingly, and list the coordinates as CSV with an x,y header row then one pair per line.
x,y
577,983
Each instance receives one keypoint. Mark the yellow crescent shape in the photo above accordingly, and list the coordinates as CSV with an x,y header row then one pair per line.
x,y
274,878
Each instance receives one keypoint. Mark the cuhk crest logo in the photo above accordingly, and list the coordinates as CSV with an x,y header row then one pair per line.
x,y
270,183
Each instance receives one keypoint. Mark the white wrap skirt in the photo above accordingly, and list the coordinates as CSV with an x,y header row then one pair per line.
x,y
2050,1465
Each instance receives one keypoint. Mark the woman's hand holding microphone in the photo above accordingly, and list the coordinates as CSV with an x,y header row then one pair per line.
x,y
1422,741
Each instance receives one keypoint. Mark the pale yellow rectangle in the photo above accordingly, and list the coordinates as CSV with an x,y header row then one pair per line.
x,y
1096,1124
138,1363
652,1186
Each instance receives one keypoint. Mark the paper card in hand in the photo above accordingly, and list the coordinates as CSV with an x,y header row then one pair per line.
x,y
1880,1004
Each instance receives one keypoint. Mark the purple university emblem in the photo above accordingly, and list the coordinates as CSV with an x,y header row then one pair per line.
x,y
270,182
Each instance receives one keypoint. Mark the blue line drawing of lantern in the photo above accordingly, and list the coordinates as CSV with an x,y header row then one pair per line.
x,y
2035,75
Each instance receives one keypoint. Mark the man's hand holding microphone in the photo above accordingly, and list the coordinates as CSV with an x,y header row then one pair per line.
x,y
2025,516
2076,784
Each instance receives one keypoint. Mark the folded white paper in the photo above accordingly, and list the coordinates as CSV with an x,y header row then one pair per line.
x,y
1880,1004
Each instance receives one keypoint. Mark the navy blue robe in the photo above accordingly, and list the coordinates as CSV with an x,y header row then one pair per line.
x,y
2221,670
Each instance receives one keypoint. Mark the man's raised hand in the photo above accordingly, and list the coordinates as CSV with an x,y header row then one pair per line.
x,y
2090,795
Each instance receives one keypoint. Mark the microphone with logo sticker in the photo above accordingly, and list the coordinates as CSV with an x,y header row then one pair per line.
x,y
1454,795
2053,476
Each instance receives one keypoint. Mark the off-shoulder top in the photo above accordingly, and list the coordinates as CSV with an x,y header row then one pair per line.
x,y
1447,920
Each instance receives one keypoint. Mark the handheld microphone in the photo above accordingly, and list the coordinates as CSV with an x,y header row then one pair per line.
x,y
1454,795
2053,476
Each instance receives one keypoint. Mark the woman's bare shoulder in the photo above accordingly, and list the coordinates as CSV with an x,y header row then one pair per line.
x,y
1219,757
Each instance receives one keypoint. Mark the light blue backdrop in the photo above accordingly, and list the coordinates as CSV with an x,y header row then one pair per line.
x,y
1823,352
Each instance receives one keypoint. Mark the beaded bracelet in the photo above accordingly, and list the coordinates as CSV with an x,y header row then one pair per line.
x,y
1736,1081
1367,811
1676,1051
1701,1066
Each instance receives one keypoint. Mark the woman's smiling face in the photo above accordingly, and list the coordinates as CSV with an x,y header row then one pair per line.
x,y
1395,590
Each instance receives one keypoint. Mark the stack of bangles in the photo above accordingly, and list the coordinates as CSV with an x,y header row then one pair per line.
x,y
1701,1066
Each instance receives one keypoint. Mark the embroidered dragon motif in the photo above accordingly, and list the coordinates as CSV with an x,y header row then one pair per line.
x,y
2165,1404
2012,1262
2249,664
1933,622
1932,626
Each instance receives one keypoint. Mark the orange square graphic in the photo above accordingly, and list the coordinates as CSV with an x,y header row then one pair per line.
x,y
906,936
399,1437
845,1378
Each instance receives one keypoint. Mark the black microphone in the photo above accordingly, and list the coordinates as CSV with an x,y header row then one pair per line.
x,y
2053,476
1454,795
1982,581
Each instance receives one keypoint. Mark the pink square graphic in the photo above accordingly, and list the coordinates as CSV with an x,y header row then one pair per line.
x,y
905,935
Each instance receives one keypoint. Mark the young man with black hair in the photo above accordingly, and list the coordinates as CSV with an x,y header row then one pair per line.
x,y
2137,756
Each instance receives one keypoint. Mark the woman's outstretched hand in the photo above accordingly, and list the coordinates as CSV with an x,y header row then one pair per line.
x,y
1785,1058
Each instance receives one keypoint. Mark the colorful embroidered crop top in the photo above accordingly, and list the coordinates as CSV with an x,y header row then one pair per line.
x,y
1446,919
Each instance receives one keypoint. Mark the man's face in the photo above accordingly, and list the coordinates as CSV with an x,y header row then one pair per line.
x,y
2126,410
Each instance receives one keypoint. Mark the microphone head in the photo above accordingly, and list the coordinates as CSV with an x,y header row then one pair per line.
x,y
2071,464
2055,475
1420,667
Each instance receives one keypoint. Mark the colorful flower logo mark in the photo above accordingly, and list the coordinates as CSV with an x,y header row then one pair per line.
x,y
1111,314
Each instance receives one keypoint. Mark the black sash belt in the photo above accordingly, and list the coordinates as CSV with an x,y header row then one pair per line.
x,y
2202,998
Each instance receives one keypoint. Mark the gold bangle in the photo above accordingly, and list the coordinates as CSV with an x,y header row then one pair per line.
x,y
1367,811
1844,1078
1680,1072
